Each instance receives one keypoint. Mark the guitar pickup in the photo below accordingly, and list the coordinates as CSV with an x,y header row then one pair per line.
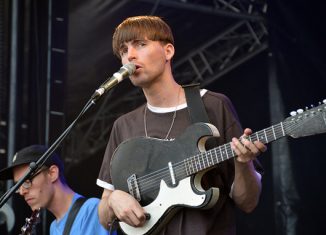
x,y
172,174
133,187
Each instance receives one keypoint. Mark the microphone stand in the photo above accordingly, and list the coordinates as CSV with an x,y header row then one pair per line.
x,y
34,166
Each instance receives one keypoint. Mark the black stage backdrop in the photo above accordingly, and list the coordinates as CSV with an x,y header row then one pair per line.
x,y
290,75
297,39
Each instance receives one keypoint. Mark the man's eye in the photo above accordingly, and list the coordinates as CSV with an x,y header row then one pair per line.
x,y
141,44
123,51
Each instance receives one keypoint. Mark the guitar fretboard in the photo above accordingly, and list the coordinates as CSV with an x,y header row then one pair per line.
x,y
224,152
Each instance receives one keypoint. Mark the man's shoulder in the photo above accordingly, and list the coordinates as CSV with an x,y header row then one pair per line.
x,y
87,203
131,115
92,202
88,209
216,97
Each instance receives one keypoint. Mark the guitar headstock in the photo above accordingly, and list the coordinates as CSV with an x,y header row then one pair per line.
x,y
31,222
306,122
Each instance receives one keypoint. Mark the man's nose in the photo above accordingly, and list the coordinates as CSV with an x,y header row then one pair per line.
x,y
21,190
132,54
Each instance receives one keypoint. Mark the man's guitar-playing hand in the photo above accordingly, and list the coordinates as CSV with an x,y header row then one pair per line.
x,y
245,149
127,209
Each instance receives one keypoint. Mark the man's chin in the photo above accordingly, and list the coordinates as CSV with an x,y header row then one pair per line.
x,y
34,206
137,82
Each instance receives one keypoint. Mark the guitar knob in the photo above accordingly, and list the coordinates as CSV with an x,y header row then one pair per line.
x,y
293,113
324,101
300,111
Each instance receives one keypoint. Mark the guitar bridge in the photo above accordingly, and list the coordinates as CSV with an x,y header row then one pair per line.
x,y
133,187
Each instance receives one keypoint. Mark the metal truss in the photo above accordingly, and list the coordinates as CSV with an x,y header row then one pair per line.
x,y
222,53
241,9
91,134
205,64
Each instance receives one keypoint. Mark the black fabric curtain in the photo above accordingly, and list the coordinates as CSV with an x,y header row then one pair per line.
x,y
297,42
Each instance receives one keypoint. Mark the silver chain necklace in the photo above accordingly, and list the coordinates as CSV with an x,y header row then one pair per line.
x,y
173,118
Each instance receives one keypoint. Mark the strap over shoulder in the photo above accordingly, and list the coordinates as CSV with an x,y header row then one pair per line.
x,y
196,108
72,214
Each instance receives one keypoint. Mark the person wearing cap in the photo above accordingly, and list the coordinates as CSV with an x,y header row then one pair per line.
x,y
47,188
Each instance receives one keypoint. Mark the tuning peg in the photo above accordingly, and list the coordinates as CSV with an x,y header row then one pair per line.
x,y
300,111
293,113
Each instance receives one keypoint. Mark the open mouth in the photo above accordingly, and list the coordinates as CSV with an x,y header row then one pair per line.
x,y
137,67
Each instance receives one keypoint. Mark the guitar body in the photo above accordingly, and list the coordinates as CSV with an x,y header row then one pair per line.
x,y
142,156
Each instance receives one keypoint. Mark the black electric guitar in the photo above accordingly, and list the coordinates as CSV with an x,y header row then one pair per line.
x,y
28,228
166,175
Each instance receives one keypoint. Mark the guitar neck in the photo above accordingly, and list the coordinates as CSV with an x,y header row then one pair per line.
x,y
28,228
224,152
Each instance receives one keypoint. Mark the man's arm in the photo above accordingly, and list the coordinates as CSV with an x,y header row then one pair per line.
x,y
121,205
246,186
106,216
247,183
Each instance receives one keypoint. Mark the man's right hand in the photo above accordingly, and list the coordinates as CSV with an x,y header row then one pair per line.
x,y
126,208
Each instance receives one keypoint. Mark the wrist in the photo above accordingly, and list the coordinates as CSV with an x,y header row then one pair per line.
x,y
243,166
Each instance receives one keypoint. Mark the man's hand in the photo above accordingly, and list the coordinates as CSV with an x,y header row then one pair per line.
x,y
246,150
126,208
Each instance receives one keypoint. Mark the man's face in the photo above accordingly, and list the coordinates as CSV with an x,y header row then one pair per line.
x,y
40,187
150,58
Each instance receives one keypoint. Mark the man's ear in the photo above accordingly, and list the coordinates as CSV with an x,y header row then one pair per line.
x,y
169,51
53,172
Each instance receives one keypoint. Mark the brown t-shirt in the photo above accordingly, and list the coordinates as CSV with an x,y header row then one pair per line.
x,y
220,219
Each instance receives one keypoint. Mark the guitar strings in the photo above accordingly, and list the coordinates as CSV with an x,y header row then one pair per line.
x,y
148,182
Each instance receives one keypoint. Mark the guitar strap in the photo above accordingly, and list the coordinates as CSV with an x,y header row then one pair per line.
x,y
196,108
72,214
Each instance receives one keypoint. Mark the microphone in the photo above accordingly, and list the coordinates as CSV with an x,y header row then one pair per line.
x,y
124,72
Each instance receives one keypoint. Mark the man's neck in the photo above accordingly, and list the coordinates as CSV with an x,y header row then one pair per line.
x,y
168,94
61,201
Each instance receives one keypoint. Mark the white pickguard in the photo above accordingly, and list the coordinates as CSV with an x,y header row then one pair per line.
x,y
168,197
